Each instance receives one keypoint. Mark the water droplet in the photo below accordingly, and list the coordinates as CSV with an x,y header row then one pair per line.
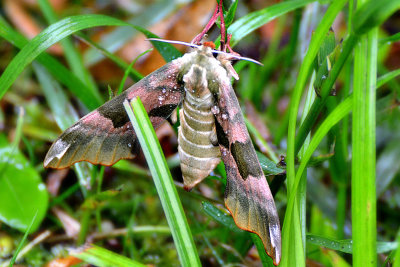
x,y
164,90
215,110
169,76
224,116
128,126
175,87
129,145
161,98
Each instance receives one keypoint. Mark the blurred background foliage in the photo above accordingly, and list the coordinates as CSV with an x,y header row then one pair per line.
x,y
117,207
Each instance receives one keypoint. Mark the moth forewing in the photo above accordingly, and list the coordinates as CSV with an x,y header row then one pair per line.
x,y
105,135
247,194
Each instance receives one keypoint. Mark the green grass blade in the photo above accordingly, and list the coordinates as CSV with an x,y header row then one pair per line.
x,y
76,86
21,243
128,70
339,112
363,189
387,77
102,257
397,253
247,24
167,51
346,245
370,14
164,184
390,39
134,74
221,217
117,38
291,232
47,38
71,53
342,110
319,102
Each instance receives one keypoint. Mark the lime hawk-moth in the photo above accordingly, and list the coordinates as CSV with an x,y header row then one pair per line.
x,y
212,127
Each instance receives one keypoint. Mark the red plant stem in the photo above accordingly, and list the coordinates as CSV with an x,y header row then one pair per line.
x,y
221,15
214,17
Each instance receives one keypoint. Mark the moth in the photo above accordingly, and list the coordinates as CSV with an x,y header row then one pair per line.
x,y
211,128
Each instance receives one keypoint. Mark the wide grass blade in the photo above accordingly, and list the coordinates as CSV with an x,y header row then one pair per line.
x,y
72,55
164,184
102,257
21,243
292,251
247,24
363,189
59,71
47,38
346,245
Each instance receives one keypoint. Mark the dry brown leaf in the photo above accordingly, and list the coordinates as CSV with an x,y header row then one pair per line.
x,y
70,224
19,16
55,179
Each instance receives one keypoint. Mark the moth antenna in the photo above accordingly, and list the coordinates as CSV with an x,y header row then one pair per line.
x,y
238,57
173,42
229,55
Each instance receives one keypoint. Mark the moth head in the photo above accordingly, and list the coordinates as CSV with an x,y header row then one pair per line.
x,y
195,80
230,56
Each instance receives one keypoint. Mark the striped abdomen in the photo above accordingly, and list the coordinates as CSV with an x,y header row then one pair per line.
x,y
198,145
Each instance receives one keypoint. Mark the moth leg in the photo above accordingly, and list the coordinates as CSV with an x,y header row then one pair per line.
x,y
213,137
174,117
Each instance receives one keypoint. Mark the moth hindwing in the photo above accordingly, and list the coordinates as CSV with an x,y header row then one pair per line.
x,y
212,127
105,135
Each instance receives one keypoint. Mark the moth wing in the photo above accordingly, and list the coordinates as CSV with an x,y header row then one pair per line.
x,y
247,194
106,135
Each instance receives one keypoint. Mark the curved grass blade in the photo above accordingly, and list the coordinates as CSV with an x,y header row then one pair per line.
x,y
134,74
76,86
221,217
167,51
120,36
71,53
128,69
397,253
47,38
99,256
291,232
342,110
24,238
346,245
247,24
164,184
